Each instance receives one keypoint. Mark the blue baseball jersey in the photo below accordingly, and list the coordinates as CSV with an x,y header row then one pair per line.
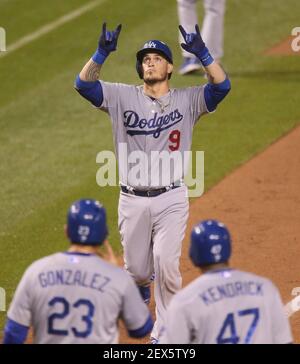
x,y
227,307
77,298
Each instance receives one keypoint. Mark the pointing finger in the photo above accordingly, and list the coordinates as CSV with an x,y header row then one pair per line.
x,y
197,29
182,31
104,29
118,29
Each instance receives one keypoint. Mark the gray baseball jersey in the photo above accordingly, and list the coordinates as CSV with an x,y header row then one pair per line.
x,y
152,125
77,298
228,306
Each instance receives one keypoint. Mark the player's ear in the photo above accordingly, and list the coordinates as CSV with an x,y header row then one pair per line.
x,y
170,68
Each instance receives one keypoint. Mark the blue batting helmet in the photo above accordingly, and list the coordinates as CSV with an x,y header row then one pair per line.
x,y
153,46
87,222
210,243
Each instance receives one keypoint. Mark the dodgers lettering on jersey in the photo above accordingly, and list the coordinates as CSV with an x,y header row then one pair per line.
x,y
152,125
135,124
72,298
228,306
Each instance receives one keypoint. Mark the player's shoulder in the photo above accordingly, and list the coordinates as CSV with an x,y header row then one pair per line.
x,y
111,270
250,275
111,267
181,91
123,282
44,261
266,282
216,277
188,294
38,265
118,85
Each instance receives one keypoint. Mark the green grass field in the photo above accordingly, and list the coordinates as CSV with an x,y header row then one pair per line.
x,y
50,136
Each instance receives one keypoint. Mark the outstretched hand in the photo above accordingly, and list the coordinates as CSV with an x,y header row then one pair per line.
x,y
108,40
194,44
193,41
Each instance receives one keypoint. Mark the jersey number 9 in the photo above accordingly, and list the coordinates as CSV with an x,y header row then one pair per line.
x,y
174,138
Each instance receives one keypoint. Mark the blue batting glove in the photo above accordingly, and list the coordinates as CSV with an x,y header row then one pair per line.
x,y
194,44
107,43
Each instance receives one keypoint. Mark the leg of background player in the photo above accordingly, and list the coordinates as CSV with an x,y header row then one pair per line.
x,y
213,27
187,15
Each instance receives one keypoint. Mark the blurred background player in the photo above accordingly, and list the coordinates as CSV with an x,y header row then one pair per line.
x,y
76,296
224,305
212,30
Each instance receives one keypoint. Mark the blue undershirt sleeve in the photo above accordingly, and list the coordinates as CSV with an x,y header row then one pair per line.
x,y
215,93
92,91
14,333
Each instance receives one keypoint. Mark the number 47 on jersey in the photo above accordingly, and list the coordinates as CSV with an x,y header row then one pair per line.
x,y
228,333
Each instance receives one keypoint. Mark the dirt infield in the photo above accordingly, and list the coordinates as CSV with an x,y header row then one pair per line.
x,y
283,48
260,203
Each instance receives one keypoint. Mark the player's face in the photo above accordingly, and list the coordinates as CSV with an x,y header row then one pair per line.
x,y
156,68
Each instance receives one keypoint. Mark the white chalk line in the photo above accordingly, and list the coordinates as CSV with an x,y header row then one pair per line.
x,y
50,27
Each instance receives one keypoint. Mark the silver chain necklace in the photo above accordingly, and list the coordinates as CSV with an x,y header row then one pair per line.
x,y
162,105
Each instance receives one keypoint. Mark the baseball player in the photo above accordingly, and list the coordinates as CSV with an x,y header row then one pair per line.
x,y
76,296
150,119
224,305
212,29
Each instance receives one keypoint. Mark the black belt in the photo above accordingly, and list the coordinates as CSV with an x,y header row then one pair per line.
x,y
149,193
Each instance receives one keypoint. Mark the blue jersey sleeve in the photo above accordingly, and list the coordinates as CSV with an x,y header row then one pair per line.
x,y
92,91
14,333
215,93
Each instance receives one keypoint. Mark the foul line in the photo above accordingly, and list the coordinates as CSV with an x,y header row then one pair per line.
x,y
51,26
293,306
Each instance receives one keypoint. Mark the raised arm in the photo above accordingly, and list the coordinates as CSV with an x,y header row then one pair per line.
x,y
87,81
219,84
90,71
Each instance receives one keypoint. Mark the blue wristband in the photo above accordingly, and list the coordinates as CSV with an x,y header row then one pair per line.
x,y
99,58
205,57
